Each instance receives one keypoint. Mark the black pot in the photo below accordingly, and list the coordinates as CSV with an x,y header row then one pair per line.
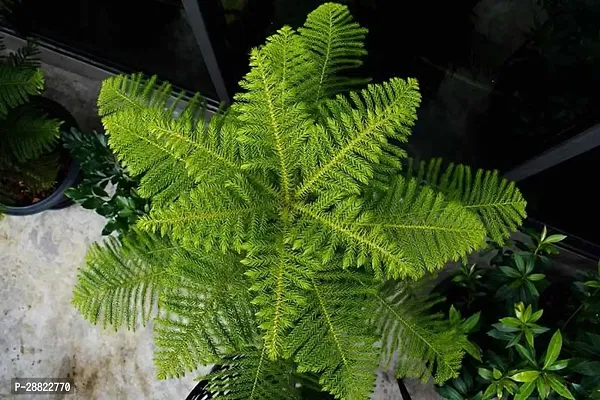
x,y
57,200
200,393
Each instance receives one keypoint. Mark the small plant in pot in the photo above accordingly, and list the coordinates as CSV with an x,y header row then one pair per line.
x,y
34,167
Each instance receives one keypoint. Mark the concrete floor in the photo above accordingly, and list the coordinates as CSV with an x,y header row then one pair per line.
x,y
42,335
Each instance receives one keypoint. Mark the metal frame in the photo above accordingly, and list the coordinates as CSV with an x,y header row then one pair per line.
x,y
196,21
568,149
215,59
58,56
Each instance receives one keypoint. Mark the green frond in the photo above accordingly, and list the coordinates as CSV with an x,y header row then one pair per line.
x,y
340,156
174,151
209,149
250,375
120,282
205,312
272,122
424,343
336,44
429,229
324,230
212,217
130,107
28,133
495,200
122,92
17,84
333,336
279,278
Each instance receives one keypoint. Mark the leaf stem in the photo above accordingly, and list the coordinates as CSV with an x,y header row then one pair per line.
x,y
577,311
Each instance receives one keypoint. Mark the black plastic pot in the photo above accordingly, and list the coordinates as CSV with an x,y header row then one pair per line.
x,y
200,393
57,200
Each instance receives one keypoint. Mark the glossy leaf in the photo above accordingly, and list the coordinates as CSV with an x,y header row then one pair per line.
x,y
496,334
485,373
510,321
528,311
505,328
508,271
454,315
514,341
559,387
460,386
536,277
520,263
544,233
526,354
473,350
542,388
561,364
529,337
519,308
510,386
553,349
537,329
525,391
496,374
536,315
532,288
525,376
470,323
490,391
449,393
555,238
530,265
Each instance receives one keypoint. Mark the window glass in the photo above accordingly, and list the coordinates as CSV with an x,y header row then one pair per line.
x,y
566,196
150,36
502,81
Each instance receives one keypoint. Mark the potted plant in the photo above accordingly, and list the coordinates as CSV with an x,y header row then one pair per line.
x,y
285,236
35,170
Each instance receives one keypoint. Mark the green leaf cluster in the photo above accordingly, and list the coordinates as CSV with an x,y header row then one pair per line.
x,y
106,187
517,359
285,234
521,328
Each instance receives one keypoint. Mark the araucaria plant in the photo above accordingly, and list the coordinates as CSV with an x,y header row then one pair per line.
x,y
284,234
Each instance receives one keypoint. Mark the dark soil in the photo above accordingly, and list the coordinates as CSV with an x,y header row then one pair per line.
x,y
13,191
16,194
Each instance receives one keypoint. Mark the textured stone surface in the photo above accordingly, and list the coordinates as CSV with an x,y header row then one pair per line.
x,y
42,335
419,391
76,93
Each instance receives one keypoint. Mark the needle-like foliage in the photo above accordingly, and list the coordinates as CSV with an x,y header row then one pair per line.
x,y
291,222
496,201
26,133
424,344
